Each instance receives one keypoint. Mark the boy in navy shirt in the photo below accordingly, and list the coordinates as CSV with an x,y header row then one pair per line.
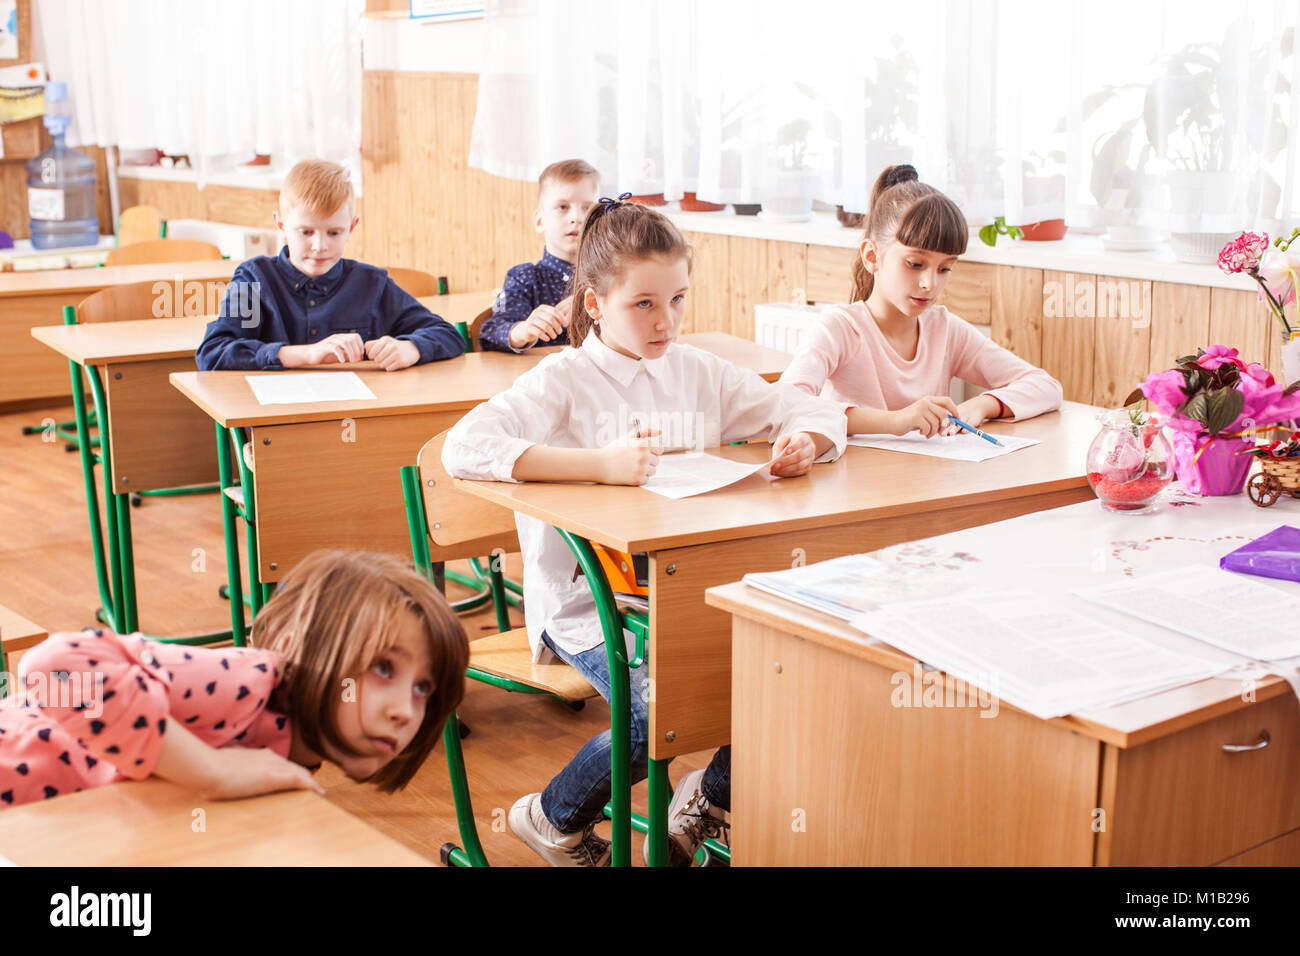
x,y
534,303
310,306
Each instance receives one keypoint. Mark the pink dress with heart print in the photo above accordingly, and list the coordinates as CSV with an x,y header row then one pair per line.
x,y
92,709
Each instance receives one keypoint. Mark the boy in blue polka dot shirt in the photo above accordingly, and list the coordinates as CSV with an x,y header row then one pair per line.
x,y
534,302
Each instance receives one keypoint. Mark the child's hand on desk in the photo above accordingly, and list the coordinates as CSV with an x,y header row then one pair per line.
x,y
927,415
391,353
792,455
546,323
339,347
631,460
245,772
975,413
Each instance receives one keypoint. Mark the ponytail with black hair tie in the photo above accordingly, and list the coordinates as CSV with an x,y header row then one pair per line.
x,y
902,173
611,204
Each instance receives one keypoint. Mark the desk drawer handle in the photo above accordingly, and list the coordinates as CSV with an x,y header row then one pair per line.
x,y
1241,748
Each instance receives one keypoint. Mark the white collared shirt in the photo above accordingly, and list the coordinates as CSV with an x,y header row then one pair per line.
x,y
589,397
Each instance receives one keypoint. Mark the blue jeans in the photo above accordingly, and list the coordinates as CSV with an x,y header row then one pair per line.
x,y
577,795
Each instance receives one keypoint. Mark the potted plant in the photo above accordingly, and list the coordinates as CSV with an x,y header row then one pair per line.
x,y
1190,115
1276,269
794,185
1214,403
890,110
998,227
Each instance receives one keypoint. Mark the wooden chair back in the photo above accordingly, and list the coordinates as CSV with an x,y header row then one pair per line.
x,y
461,525
161,299
476,325
413,281
163,250
138,224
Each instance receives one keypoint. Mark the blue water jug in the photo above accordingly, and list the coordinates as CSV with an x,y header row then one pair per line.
x,y
61,184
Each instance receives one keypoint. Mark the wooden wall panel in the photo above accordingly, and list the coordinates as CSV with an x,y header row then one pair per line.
x,y
1239,321
969,293
1123,339
749,280
830,273
1069,327
425,208
787,272
710,300
1180,322
1018,312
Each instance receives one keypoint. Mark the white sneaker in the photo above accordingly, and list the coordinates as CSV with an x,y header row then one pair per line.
x,y
583,848
691,821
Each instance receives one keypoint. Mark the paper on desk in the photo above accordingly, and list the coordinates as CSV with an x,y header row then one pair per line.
x,y
963,447
1027,650
684,475
292,388
1239,614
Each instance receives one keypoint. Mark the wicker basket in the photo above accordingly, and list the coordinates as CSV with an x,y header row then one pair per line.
x,y
1285,471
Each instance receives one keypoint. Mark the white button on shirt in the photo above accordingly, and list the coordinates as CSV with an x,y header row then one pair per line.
x,y
587,398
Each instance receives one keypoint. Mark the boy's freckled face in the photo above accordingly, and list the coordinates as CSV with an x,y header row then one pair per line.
x,y
561,209
316,243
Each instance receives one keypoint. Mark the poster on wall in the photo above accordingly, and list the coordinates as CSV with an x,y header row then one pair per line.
x,y
8,29
440,11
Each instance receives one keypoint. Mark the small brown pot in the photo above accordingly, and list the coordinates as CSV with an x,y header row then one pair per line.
x,y
853,220
650,199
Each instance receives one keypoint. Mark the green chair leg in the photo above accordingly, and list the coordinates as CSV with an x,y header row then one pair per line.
x,y
471,854
660,793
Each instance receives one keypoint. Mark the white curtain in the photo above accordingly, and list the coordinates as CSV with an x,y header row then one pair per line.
x,y
219,81
1176,114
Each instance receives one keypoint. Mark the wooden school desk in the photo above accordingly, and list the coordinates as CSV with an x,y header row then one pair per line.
x,y
150,437
826,770
326,474
866,500
157,437
27,299
153,823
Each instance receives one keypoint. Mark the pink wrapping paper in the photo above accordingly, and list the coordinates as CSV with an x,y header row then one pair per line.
x,y
1220,470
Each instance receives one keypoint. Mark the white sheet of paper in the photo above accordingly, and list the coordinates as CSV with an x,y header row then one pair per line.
x,y
963,447
684,475
1028,651
292,388
1228,610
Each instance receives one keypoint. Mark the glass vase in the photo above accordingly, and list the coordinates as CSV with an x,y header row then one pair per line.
x,y
1129,462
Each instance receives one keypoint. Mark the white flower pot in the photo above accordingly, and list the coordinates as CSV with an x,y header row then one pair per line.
x,y
1291,360
791,196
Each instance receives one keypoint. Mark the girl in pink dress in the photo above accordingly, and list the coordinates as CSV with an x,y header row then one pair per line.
x,y
356,660
889,355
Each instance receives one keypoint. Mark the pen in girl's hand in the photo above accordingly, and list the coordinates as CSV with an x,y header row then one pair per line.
x,y
973,430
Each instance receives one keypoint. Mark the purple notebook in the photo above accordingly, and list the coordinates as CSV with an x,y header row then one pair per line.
x,y
1275,555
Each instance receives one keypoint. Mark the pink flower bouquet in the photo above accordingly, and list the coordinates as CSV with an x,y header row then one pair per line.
x,y
1275,268
1215,403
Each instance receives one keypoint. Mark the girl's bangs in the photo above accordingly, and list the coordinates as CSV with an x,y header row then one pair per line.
x,y
935,224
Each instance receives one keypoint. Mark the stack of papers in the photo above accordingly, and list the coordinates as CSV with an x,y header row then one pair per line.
x,y
1031,652
845,587
963,447
1238,614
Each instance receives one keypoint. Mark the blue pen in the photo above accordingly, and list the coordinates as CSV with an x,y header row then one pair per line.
x,y
973,430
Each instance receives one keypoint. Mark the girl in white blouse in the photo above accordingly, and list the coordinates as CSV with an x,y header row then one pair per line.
x,y
603,411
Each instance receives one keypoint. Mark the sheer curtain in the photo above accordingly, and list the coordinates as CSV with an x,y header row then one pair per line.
x,y
1173,114
219,81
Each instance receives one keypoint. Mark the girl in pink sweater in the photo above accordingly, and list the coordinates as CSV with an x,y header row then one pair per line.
x,y
358,661
889,355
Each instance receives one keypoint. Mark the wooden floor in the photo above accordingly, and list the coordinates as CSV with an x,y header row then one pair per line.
x,y
516,744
